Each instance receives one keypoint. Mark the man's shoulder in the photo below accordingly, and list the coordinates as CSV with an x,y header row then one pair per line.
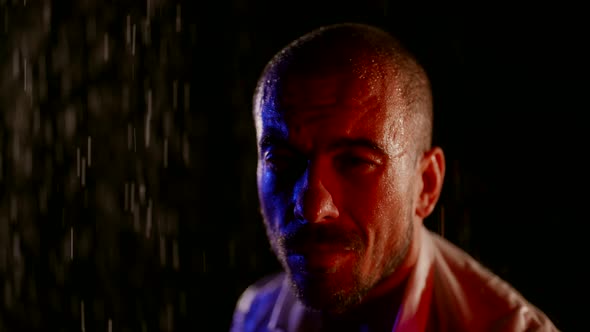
x,y
479,294
256,303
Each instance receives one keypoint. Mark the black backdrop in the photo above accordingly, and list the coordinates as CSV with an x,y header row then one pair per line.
x,y
127,192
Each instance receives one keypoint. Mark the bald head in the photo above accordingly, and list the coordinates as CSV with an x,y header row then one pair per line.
x,y
361,52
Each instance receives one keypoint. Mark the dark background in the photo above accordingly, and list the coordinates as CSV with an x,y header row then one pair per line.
x,y
158,229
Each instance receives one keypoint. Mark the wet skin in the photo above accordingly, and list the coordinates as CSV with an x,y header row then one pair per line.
x,y
338,183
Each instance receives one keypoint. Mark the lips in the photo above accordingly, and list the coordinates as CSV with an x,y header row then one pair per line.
x,y
313,238
318,258
319,248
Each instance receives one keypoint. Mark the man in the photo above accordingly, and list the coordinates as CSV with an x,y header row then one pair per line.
x,y
346,175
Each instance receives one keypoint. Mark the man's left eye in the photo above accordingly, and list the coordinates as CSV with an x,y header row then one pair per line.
x,y
354,163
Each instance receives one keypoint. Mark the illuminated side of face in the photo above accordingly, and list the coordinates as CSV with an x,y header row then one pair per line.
x,y
337,183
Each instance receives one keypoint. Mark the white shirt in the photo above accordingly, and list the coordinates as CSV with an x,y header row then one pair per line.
x,y
447,290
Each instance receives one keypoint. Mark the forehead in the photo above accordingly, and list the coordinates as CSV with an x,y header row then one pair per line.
x,y
329,89
330,104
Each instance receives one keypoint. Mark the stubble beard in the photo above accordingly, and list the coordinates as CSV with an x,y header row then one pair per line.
x,y
339,299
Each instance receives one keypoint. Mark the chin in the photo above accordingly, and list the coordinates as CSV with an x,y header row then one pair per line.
x,y
327,293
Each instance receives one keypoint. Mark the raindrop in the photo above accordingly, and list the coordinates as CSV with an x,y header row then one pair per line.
x,y
15,64
91,29
178,21
170,316
134,141
106,47
125,99
136,224
162,251
16,253
89,150
71,243
78,162
182,303
148,226
16,148
128,30
69,118
133,40
175,258
36,122
126,199
82,320
83,177
42,78
13,208
7,294
148,118
185,149
130,131
43,193
165,152
146,32
175,94
47,14
25,74
142,193
132,197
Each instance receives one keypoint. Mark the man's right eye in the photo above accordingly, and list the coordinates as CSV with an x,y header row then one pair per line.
x,y
279,161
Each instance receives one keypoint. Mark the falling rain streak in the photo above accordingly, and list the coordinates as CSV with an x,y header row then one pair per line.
x,y
108,211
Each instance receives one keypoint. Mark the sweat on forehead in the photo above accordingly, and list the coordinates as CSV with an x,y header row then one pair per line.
x,y
356,48
362,56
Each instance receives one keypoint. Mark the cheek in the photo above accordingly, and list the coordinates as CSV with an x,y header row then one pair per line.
x,y
380,208
371,197
274,202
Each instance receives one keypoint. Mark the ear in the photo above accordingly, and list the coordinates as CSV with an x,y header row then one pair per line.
x,y
432,169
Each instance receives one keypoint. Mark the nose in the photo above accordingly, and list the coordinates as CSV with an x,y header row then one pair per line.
x,y
313,201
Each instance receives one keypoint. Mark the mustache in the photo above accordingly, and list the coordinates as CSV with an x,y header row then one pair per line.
x,y
302,235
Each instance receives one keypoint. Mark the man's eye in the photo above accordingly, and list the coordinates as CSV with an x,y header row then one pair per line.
x,y
352,163
280,162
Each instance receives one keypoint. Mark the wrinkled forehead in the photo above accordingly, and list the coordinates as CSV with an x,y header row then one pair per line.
x,y
308,86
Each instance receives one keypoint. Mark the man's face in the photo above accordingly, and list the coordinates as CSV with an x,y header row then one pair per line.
x,y
336,183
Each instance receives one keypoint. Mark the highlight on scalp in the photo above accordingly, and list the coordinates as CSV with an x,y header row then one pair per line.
x,y
364,47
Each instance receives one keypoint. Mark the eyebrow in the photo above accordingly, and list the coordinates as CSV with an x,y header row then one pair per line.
x,y
272,139
358,143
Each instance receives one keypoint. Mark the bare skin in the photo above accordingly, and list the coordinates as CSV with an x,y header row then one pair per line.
x,y
342,186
